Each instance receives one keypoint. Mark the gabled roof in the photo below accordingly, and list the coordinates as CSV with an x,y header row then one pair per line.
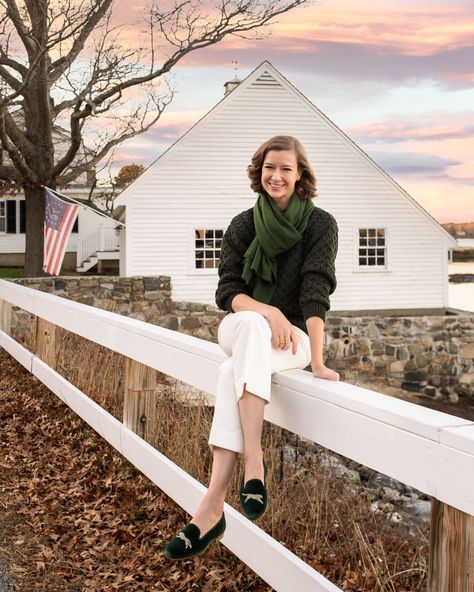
x,y
266,75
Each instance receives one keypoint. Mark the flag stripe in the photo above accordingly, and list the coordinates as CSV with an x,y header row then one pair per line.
x,y
60,249
59,220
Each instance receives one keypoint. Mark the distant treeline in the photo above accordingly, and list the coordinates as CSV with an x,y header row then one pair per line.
x,y
458,228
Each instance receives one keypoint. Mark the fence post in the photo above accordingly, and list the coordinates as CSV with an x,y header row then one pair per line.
x,y
46,341
451,549
5,316
139,399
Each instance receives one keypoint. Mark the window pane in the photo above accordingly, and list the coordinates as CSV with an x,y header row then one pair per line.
x,y
199,244
362,252
362,232
380,261
209,254
209,234
362,262
363,242
218,244
371,231
372,242
371,260
219,233
2,224
199,263
380,252
381,232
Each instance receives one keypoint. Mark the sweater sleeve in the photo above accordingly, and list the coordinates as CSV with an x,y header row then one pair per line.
x,y
318,272
230,268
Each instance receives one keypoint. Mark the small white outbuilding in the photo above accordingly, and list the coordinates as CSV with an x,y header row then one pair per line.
x,y
392,254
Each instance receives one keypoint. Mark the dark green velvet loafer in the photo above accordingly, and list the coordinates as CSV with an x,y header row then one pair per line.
x,y
188,544
253,496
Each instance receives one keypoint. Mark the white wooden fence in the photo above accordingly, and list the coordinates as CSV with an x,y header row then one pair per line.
x,y
428,450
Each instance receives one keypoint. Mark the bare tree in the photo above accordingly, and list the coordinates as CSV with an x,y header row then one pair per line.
x,y
62,63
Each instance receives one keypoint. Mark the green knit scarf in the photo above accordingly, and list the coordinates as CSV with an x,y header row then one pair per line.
x,y
276,232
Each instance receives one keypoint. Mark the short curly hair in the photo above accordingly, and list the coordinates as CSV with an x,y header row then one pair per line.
x,y
305,188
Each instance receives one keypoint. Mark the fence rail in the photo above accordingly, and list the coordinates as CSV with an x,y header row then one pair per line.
x,y
426,449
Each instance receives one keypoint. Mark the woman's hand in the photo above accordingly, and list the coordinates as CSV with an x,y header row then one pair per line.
x,y
283,333
321,371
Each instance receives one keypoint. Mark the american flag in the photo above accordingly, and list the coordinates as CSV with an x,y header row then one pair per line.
x,y
59,218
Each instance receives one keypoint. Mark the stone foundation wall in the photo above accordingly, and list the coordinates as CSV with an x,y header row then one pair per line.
x,y
433,355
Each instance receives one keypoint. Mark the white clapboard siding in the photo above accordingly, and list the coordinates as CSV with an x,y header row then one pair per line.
x,y
201,180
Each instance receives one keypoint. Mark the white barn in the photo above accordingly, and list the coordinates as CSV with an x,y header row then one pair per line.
x,y
392,254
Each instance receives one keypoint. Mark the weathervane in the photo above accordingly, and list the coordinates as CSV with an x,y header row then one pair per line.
x,y
236,66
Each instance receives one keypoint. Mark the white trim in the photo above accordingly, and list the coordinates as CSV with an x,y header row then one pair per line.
x,y
355,248
4,217
191,228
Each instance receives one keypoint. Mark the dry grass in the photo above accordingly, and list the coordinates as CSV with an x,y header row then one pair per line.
x,y
317,516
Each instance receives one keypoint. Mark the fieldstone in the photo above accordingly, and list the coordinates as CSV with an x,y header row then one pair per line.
x,y
420,510
413,387
453,348
190,323
86,300
467,351
432,392
381,480
427,341
435,379
453,397
416,376
381,507
397,366
390,350
151,284
168,322
338,469
421,360
373,331
402,353
467,379
151,296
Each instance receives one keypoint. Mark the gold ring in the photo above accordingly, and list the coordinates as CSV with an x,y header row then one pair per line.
x,y
283,341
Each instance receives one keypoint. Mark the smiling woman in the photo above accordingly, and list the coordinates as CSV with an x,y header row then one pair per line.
x,y
276,273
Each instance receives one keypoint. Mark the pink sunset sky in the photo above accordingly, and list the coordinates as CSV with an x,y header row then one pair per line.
x,y
397,78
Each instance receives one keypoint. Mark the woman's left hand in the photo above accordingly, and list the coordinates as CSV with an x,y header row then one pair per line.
x,y
321,371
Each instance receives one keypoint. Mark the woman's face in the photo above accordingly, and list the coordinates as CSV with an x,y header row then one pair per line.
x,y
279,176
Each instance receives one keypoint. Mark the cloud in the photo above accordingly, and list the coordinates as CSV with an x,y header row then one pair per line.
x,y
399,131
414,163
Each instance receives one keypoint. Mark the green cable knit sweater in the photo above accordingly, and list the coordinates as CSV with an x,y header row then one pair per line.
x,y
306,272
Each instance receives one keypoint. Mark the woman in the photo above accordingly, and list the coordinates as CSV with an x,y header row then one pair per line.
x,y
276,273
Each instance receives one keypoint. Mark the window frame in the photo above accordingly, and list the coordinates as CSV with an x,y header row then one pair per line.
x,y
371,268
192,269
3,202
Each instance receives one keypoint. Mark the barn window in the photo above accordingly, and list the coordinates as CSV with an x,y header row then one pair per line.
x,y
2,216
207,248
372,247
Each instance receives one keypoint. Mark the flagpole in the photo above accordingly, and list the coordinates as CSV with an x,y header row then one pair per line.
x,y
84,206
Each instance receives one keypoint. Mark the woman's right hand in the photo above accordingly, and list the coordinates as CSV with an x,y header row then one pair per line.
x,y
283,333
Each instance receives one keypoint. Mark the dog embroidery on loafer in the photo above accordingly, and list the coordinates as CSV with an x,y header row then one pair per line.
x,y
187,542
255,496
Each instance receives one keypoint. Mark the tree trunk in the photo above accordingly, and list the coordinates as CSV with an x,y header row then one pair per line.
x,y
35,200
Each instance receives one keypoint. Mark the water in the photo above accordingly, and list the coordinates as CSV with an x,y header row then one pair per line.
x,y
461,295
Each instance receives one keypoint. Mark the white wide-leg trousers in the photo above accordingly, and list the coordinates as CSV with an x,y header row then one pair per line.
x,y
246,337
